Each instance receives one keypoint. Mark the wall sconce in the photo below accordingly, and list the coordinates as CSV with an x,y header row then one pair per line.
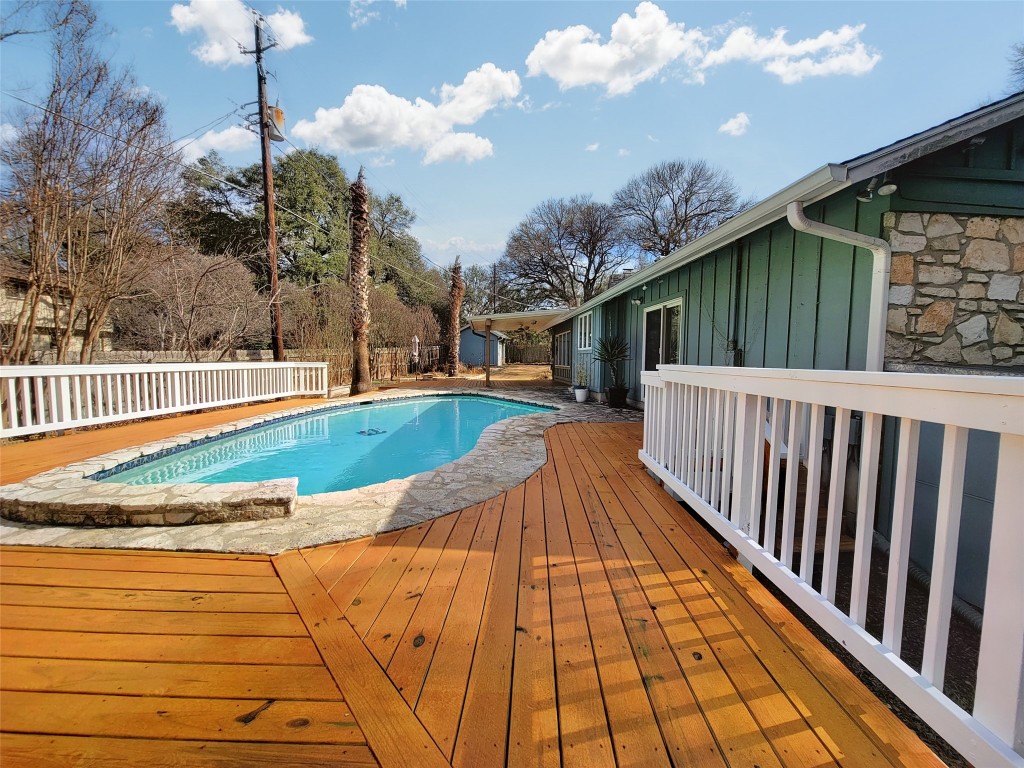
x,y
888,186
636,302
867,194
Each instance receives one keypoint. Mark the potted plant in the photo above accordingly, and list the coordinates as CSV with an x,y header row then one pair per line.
x,y
614,350
580,388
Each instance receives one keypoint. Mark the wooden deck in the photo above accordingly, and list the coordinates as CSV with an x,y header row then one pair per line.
x,y
582,618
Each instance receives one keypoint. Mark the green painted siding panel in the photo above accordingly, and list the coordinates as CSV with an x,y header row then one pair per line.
x,y
707,312
834,292
725,275
986,177
803,307
780,285
752,332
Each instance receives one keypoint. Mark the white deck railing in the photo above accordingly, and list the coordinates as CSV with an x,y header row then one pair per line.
x,y
43,398
705,432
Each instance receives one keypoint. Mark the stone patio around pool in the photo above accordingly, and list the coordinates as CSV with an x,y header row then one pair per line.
x,y
270,517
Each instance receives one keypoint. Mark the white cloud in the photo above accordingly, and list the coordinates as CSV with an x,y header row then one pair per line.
x,y
8,133
643,45
623,152
839,52
736,126
592,147
361,11
640,46
471,251
226,26
231,139
372,119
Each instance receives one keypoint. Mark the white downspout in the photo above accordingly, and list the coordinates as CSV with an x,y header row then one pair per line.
x,y
881,255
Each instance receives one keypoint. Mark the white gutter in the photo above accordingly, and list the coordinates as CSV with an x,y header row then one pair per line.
x,y
881,256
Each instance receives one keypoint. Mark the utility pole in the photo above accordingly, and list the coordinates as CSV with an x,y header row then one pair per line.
x,y
277,335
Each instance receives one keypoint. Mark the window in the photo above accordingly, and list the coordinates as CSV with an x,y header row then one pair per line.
x,y
662,335
585,331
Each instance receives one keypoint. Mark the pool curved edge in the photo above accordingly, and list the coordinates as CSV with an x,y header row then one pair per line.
x,y
67,496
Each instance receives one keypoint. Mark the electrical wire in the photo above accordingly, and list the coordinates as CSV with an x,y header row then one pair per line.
x,y
248,193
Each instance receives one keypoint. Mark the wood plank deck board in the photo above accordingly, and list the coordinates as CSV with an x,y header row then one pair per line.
x,y
94,672
47,751
582,618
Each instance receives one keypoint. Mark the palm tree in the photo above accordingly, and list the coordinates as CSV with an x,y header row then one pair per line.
x,y
359,281
455,294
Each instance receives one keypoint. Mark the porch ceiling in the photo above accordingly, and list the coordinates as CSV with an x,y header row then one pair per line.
x,y
537,320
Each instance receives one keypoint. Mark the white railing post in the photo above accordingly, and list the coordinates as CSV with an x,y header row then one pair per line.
x,y
899,544
947,532
999,700
748,437
871,439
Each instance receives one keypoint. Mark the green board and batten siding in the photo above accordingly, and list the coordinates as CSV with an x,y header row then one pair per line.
x,y
787,299
793,300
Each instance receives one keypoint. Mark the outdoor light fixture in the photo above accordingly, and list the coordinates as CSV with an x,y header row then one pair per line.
x,y
868,193
889,186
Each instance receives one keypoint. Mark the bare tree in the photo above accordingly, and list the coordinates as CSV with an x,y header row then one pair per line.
x,y
359,281
452,328
672,203
564,251
193,304
88,175
1017,67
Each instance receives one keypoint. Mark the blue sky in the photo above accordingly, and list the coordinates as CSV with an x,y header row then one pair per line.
x,y
474,112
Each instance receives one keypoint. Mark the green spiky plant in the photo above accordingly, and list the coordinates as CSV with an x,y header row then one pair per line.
x,y
613,351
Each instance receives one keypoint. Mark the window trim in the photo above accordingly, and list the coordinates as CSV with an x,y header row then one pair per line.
x,y
677,301
585,320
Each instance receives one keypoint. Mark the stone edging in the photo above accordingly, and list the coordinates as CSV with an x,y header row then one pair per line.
x,y
505,455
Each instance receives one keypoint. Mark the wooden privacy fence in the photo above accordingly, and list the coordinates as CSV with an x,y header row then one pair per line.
x,y
705,432
42,398
530,354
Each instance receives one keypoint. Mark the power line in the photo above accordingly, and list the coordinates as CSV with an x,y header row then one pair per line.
x,y
196,169
248,193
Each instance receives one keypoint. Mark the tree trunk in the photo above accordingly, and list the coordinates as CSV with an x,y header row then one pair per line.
x,y
455,294
359,281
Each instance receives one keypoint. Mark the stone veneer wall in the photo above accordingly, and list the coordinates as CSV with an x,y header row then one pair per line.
x,y
955,290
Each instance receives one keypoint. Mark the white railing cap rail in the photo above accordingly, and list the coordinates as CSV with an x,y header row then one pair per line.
x,y
993,403
108,368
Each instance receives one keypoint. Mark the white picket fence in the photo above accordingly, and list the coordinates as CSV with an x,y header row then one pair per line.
x,y
44,398
705,436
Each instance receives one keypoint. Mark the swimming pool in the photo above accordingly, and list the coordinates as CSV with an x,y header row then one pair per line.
x,y
335,450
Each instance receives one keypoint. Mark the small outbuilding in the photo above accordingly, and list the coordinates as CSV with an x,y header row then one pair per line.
x,y
472,345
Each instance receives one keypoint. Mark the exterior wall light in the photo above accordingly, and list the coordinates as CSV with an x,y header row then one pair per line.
x,y
888,186
867,194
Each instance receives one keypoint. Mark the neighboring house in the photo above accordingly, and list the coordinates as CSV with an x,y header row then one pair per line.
x,y
472,347
757,292
13,284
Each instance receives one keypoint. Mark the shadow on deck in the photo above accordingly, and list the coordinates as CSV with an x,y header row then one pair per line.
x,y
582,618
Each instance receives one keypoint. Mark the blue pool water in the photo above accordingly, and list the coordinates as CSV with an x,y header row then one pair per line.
x,y
339,449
